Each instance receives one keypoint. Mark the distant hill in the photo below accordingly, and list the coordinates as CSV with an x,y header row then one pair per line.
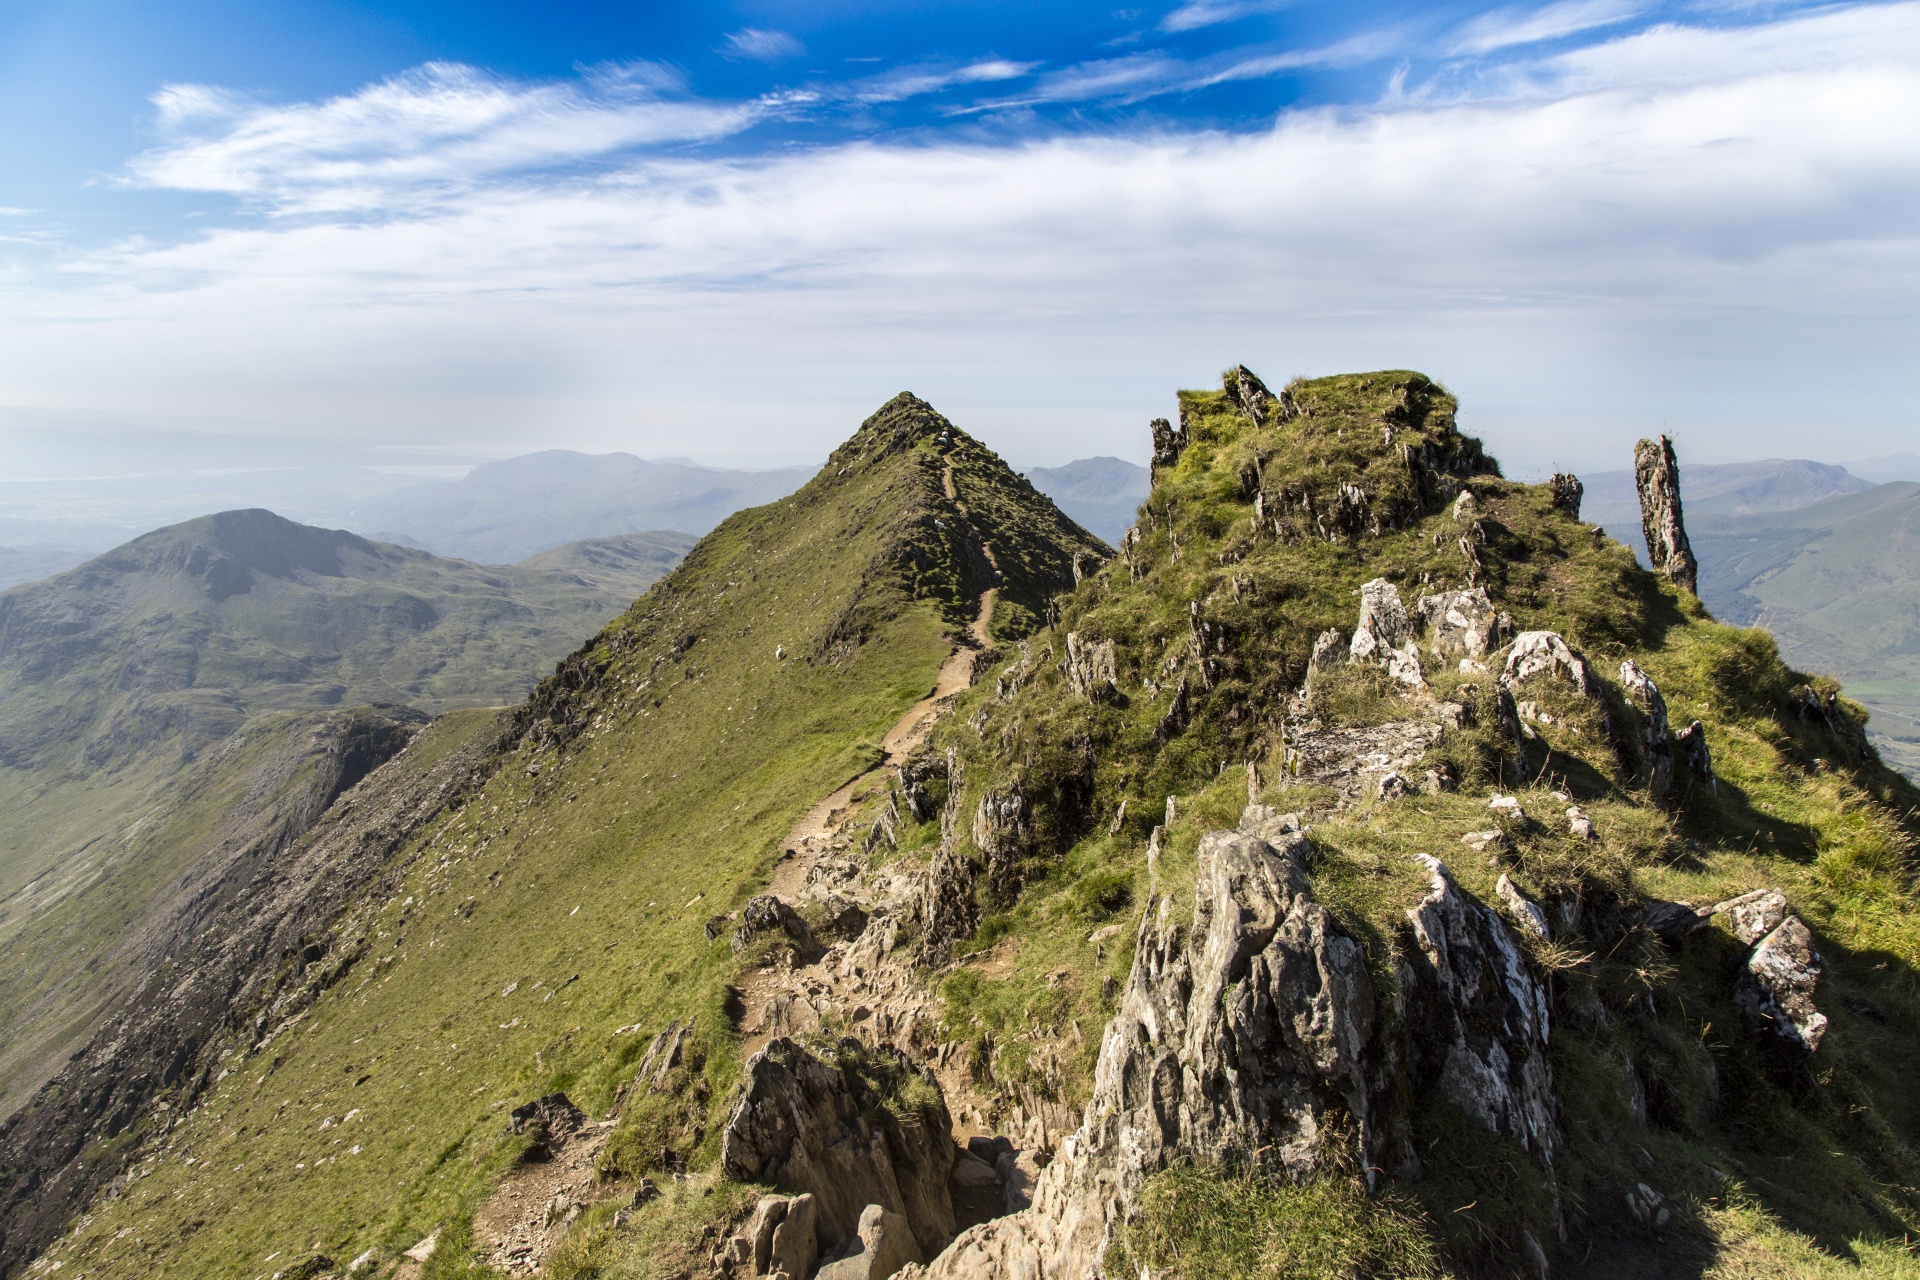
x,y
1888,469
30,564
217,662
1838,583
505,511
1100,494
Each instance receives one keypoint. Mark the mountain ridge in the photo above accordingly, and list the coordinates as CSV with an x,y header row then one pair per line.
x,y
1490,842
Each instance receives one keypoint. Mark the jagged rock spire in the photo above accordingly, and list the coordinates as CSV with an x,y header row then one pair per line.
x,y
1658,477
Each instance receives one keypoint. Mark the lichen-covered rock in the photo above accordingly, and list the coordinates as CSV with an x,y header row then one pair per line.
x,y
1657,475
1527,913
1463,623
1477,1016
1752,916
1656,742
1090,667
1543,653
1384,625
808,1126
1775,991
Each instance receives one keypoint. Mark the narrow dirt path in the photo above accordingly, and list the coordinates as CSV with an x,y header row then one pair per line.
x,y
811,835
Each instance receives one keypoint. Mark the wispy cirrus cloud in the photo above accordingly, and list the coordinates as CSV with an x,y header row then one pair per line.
x,y
440,127
1137,77
762,46
1507,28
1195,14
902,83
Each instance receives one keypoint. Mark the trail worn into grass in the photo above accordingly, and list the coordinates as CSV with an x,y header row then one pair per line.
x,y
814,833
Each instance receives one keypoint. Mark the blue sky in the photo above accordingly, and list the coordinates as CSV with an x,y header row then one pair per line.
x,y
730,230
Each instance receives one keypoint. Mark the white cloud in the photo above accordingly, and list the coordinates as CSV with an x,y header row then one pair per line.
x,y
910,82
442,126
1736,246
1674,55
762,46
1195,14
1505,28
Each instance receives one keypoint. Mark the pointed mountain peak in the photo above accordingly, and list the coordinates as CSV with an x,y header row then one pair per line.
x,y
902,423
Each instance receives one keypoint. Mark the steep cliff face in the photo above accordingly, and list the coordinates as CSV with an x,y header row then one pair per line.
x,y
1298,891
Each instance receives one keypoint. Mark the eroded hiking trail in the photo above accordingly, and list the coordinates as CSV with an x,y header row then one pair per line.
x,y
815,832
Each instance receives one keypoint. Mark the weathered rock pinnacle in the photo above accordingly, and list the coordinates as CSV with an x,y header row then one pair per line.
x,y
1658,476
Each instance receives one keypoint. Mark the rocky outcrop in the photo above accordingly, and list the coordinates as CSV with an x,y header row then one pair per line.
x,y
780,1239
870,1128
1656,743
1544,653
1090,667
547,1122
1354,761
1249,395
1690,745
1003,832
1169,442
1775,990
1658,476
1384,624
1463,624
1254,1037
1567,492
882,1247
765,916
1385,634
1477,1016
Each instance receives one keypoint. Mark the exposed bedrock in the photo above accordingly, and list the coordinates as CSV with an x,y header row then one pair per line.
x,y
1255,1037
872,1129
1658,476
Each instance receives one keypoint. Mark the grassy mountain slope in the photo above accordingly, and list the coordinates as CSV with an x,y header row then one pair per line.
x,y
508,510
1838,582
642,788
138,703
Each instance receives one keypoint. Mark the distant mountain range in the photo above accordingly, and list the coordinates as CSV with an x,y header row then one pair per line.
x,y
1838,584
1731,488
1826,560
505,511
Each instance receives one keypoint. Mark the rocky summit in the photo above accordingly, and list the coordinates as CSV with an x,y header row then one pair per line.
x,y
1361,869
